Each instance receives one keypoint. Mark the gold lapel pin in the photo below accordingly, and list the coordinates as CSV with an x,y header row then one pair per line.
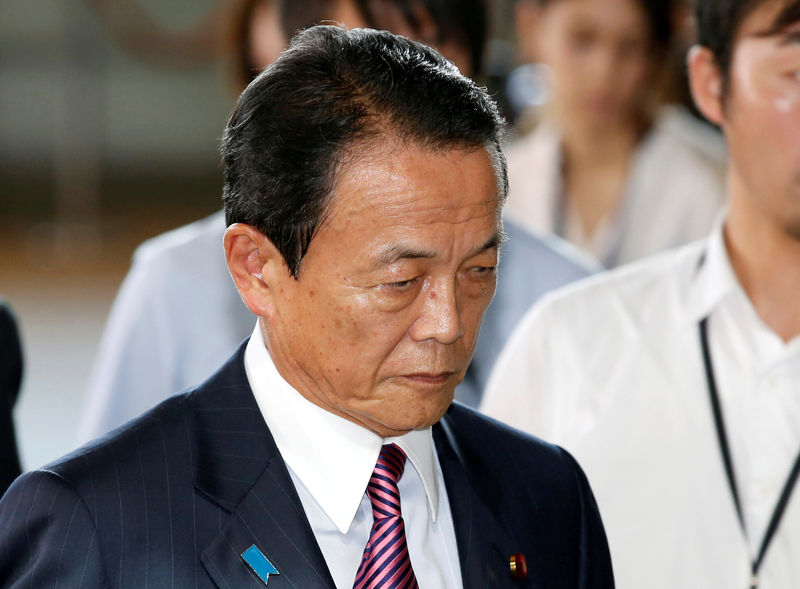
x,y
518,566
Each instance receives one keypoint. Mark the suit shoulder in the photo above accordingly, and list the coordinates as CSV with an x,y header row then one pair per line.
x,y
504,462
48,535
126,448
528,248
497,445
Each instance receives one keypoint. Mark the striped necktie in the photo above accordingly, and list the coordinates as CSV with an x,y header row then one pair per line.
x,y
386,564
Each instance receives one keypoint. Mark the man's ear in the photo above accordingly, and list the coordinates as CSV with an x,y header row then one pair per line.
x,y
254,263
705,81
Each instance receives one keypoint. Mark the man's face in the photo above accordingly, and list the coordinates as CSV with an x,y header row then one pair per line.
x,y
761,118
382,320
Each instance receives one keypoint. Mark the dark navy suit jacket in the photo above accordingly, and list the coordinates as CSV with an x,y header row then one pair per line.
x,y
174,498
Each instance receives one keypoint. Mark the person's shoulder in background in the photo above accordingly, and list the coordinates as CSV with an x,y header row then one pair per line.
x,y
153,343
684,161
699,138
11,357
11,365
581,331
177,245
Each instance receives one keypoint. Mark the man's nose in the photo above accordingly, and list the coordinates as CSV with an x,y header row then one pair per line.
x,y
439,315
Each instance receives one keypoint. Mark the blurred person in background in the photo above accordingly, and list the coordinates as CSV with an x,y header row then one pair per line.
x,y
10,381
676,380
607,166
152,346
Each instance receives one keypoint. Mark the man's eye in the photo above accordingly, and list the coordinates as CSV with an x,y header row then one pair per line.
x,y
400,285
485,270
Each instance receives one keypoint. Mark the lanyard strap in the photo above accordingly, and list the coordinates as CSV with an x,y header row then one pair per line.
x,y
724,446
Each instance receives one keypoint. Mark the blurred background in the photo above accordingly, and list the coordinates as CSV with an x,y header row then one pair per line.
x,y
110,117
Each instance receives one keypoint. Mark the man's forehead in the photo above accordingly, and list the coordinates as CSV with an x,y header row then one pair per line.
x,y
394,195
407,173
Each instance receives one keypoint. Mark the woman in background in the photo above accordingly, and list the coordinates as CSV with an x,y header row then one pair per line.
x,y
606,166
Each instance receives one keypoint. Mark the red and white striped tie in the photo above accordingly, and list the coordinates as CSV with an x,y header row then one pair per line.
x,y
386,564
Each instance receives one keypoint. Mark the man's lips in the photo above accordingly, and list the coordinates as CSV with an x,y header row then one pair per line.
x,y
432,378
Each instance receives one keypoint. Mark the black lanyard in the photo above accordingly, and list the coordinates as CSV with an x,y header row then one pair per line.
x,y
788,487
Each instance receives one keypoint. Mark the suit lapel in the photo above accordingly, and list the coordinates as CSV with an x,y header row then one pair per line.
x,y
484,543
272,518
238,466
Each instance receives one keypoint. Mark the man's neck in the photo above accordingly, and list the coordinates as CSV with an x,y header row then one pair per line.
x,y
766,261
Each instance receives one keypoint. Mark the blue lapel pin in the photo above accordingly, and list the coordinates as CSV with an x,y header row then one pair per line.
x,y
259,563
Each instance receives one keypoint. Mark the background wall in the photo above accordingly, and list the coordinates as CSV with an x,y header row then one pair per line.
x,y
110,114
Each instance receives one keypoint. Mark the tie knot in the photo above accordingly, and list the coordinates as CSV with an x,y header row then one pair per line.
x,y
391,462
382,488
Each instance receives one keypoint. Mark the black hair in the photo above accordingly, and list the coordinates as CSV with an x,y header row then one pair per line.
x,y
660,20
719,21
334,95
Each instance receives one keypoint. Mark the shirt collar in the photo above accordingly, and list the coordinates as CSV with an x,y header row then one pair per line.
x,y
714,279
333,457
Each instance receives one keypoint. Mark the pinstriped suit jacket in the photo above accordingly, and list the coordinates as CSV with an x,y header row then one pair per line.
x,y
173,498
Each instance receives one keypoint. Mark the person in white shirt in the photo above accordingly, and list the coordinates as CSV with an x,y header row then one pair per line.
x,y
606,167
151,347
676,380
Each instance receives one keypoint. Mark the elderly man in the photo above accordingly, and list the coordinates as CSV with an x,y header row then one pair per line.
x,y
676,381
152,348
364,183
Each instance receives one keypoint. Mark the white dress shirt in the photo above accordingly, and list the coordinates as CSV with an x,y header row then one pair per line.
x,y
612,370
673,193
331,459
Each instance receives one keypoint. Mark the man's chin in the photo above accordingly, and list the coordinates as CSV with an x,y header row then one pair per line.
x,y
417,416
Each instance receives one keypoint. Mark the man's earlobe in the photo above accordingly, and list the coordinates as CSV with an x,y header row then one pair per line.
x,y
251,258
706,83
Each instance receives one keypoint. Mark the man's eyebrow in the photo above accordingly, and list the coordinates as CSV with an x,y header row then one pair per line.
x,y
495,241
393,252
